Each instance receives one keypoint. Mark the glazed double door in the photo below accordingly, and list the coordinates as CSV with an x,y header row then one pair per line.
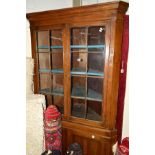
x,y
71,64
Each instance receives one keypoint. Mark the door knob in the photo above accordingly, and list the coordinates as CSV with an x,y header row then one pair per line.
x,y
93,136
79,59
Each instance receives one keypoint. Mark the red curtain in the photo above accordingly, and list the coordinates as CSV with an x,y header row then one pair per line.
x,y
122,84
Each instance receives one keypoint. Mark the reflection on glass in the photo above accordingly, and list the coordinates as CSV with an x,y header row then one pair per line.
x,y
43,41
95,89
78,62
96,38
58,84
56,38
95,63
57,61
45,83
96,35
78,87
78,108
44,61
94,110
56,41
79,36
59,102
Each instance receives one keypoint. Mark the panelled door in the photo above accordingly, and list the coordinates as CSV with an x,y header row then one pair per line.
x,y
88,52
50,65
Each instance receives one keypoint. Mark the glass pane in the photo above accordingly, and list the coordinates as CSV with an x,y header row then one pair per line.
x,y
96,38
79,36
95,89
57,49
94,110
56,41
78,108
59,102
45,83
78,87
44,60
78,63
43,41
58,84
87,62
96,35
57,62
74,50
56,38
96,63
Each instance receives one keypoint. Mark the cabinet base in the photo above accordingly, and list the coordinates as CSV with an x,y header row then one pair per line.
x,y
94,141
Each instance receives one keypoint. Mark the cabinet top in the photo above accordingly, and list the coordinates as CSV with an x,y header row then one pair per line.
x,y
104,9
115,5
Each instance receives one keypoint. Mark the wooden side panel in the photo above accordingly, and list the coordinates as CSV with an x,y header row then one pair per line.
x,y
113,72
34,56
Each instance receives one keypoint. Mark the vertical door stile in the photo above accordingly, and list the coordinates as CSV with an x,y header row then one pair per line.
x,y
66,65
86,72
50,60
36,62
106,73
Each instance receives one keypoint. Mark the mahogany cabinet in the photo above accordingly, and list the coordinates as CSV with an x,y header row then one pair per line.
x,y
77,64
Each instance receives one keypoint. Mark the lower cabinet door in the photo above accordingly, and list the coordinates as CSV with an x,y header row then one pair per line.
x,y
91,144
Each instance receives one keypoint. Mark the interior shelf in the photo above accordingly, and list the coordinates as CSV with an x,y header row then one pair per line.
x,y
57,71
46,91
95,73
87,51
44,70
47,47
56,47
87,46
78,92
56,91
89,73
43,47
78,111
93,95
78,72
92,115
51,71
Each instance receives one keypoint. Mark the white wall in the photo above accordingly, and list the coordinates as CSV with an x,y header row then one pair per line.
x,y
42,5
28,40
125,131
85,2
